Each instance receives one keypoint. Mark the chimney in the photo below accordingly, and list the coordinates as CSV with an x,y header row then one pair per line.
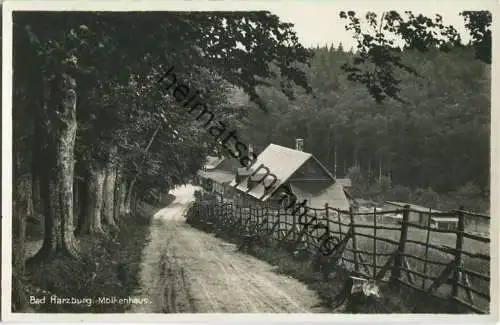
x,y
250,154
299,144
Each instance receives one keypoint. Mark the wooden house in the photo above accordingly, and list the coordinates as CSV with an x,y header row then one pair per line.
x,y
216,174
280,171
421,215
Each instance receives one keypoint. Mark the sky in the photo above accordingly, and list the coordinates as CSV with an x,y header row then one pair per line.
x,y
320,25
317,22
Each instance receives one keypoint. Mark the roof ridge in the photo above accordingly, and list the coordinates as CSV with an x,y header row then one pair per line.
x,y
289,149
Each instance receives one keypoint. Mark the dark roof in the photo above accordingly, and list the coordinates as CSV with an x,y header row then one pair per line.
x,y
414,207
229,164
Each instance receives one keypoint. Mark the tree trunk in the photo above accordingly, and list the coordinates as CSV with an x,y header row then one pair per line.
x,y
57,181
109,191
130,189
20,209
91,219
96,198
128,198
335,160
36,172
370,178
356,160
37,204
134,203
83,211
76,200
120,192
21,204
380,169
19,299
328,149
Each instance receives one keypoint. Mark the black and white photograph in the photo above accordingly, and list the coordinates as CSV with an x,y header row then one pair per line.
x,y
240,157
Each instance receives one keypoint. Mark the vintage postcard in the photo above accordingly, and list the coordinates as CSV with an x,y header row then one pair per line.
x,y
249,161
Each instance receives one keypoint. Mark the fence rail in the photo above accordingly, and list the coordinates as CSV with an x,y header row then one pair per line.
x,y
448,263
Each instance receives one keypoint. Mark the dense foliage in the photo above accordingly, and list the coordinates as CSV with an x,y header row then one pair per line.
x,y
437,140
95,132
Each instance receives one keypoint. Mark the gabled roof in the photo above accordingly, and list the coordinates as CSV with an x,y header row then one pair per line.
x,y
220,170
213,162
219,176
281,161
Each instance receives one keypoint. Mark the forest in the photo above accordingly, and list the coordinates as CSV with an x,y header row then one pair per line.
x,y
432,149
94,137
410,124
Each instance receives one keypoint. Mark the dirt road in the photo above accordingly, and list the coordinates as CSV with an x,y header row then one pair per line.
x,y
187,270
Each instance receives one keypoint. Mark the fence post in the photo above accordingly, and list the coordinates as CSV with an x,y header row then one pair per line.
x,y
223,214
266,216
354,246
374,241
398,259
424,280
327,217
458,251
240,220
294,225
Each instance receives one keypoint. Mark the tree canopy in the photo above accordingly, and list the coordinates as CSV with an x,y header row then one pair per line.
x,y
379,51
92,125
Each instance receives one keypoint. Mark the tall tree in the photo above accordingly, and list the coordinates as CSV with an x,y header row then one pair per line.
x,y
112,62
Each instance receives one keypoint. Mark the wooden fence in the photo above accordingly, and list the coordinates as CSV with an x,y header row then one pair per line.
x,y
451,264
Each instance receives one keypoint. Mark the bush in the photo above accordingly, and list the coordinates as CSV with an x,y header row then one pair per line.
x,y
426,197
471,197
400,193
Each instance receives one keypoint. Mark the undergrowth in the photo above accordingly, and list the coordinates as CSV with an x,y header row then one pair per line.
x,y
107,268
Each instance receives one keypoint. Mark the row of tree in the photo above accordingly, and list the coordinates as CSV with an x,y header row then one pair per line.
x,y
93,130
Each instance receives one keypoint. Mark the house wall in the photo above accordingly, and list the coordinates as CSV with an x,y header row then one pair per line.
x,y
447,225
218,188
310,170
424,219
206,184
414,217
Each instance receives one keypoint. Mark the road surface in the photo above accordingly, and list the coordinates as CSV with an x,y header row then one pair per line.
x,y
187,270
